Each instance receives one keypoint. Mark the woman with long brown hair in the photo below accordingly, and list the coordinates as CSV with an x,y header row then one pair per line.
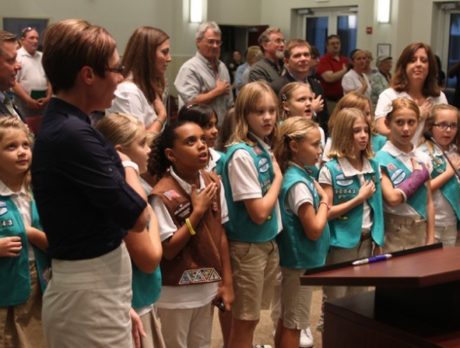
x,y
144,62
415,78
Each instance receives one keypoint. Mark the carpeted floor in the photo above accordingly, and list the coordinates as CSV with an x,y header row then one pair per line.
x,y
264,331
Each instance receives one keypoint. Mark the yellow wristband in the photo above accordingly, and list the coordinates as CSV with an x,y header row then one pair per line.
x,y
190,227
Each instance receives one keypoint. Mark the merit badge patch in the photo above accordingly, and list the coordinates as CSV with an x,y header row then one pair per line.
x,y
398,177
3,208
171,194
198,276
343,181
263,165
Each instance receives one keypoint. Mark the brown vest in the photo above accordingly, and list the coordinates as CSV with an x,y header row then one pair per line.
x,y
199,261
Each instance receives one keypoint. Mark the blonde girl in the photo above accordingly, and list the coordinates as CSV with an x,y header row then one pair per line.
x,y
297,99
305,239
443,123
252,180
128,135
352,179
22,242
408,205
363,103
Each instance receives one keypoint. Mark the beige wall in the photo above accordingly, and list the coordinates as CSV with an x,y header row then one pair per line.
x,y
411,19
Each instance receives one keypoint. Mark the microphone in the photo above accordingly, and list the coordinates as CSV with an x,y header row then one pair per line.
x,y
429,136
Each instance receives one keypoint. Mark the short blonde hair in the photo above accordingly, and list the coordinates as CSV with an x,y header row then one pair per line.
x,y
246,103
120,129
343,144
8,122
294,128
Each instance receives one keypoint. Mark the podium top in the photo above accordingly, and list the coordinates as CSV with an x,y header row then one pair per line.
x,y
420,269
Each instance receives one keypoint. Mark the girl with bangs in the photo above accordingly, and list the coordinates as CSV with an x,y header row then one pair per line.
x,y
252,180
408,204
304,242
363,103
443,125
352,179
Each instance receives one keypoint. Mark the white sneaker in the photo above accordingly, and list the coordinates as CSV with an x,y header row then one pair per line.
x,y
306,338
262,346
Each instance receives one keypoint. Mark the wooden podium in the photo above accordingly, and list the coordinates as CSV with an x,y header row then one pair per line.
x,y
416,302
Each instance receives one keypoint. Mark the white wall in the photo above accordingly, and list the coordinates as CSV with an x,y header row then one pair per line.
x,y
411,20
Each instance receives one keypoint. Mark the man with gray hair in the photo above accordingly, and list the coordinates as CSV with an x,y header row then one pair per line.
x,y
204,79
9,67
270,67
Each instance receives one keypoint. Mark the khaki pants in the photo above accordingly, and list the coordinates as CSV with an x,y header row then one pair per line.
x,y
154,338
187,328
20,326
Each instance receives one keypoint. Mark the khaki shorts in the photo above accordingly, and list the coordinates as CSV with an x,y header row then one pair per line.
x,y
446,234
295,300
403,232
20,325
254,266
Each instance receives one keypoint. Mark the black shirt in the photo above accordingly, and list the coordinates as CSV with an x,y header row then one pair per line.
x,y
85,204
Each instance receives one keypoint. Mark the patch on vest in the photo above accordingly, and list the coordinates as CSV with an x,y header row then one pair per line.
x,y
171,194
398,176
263,165
342,181
3,208
391,167
6,223
199,276
183,210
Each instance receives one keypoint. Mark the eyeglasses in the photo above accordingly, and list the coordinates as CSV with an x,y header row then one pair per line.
x,y
116,69
212,42
279,41
445,125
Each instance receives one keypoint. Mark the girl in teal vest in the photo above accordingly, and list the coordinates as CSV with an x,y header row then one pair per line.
x,y
127,134
352,179
363,103
297,99
252,180
408,205
304,242
443,124
22,243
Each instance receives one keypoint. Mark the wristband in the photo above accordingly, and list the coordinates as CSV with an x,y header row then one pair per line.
x,y
327,205
130,164
190,227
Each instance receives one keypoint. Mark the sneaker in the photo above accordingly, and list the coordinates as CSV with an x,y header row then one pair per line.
x,y
306,338
262,346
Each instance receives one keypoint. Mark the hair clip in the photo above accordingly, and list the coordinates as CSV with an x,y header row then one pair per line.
x,y
283,97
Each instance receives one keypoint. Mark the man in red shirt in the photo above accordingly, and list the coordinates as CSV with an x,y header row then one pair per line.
x,y
331,68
